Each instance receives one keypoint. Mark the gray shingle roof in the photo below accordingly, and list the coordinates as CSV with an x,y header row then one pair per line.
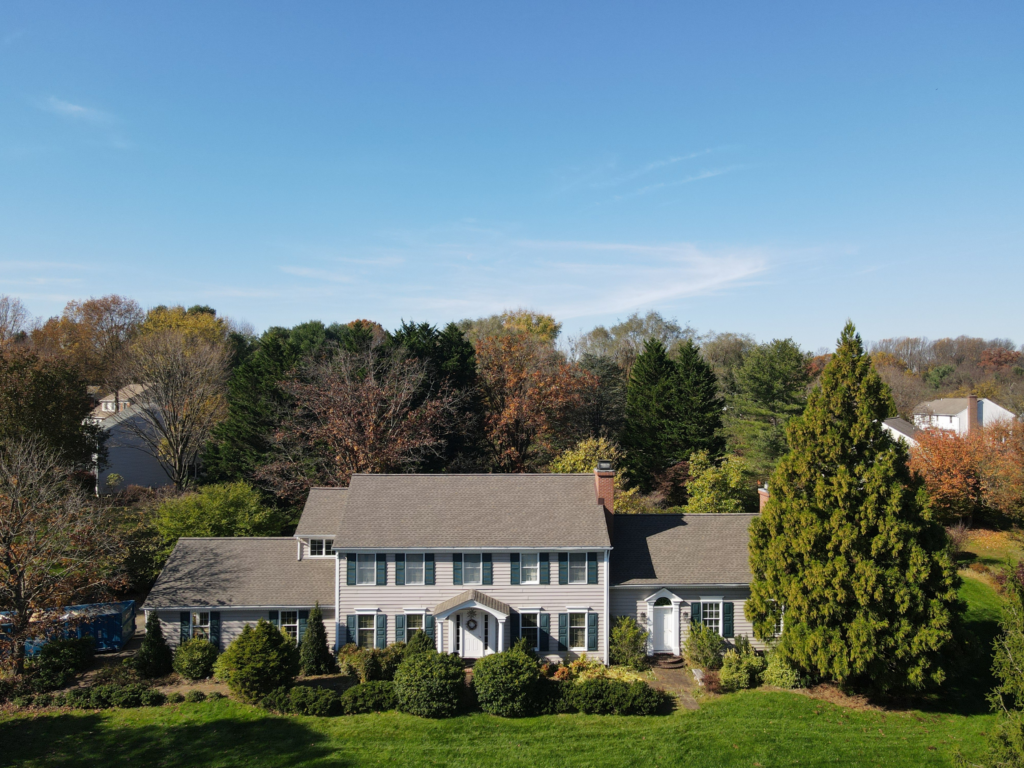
x,y
241,572
471,594
398,511
322,512
902,426
945,406
681,549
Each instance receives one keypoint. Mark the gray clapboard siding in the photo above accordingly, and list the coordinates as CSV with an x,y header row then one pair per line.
x,y
549,598
232,621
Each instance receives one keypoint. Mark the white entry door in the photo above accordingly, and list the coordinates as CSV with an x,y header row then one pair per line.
x,y
663,636
472,635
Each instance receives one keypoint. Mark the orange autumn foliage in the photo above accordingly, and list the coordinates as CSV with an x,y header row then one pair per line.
x,y
951,468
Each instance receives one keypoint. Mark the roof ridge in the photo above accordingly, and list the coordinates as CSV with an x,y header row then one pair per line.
x,y
236,538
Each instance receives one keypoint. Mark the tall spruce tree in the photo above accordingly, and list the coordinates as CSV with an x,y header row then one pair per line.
x,y
699,425
847,551
651,411
315,658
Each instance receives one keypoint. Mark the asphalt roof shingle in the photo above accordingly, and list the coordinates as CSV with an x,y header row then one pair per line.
x,y
681,549
322,511
241,572
398,511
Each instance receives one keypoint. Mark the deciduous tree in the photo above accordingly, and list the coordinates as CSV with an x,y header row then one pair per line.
x,y
951,468
14,319
719,488
846,549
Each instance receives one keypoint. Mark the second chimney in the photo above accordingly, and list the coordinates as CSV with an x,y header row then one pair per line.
x,y
972,413
604,484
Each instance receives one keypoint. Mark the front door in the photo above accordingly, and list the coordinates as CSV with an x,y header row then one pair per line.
x,y
472,634
662,635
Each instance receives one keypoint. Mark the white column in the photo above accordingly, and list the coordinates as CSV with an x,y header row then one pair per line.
x,y
501,635
439,635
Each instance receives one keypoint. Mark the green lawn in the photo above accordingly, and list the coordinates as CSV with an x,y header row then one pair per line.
x,y
747,729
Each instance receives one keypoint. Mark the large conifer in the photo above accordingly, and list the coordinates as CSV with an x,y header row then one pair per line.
x,y
700,402
847,548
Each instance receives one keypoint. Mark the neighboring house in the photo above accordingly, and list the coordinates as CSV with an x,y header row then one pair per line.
x,y
959,414
901,429
475,561
128,456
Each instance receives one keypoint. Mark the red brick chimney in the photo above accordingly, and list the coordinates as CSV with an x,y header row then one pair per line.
x,y
762,498
972,413
604,485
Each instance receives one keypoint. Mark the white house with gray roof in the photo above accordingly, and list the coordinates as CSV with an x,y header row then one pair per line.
x,y
475,561
960,414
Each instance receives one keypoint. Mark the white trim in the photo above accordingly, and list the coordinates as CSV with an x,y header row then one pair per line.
x,y
537,613
392,550
366,610
712,599
579,609
298,555
324,539
607,608
530,609
423,570
416,610
677,603
583,648
680,586
522,581
466,605
568,569
229,607
337,603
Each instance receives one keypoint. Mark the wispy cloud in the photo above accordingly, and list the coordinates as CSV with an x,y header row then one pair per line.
x,y
75,111
709,174
644,170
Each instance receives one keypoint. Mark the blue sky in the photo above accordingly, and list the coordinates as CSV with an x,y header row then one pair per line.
x,y
769,168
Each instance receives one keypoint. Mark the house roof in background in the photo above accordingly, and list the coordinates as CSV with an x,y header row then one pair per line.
x,y
432,511
902,426
322,511
241,572
681,549
944,406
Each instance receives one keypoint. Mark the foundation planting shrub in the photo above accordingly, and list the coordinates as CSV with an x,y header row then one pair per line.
x,y
552,698
741,668
154,657
420,643
216,696
315,658
195,697
778,673
175,698
506,683
430,684
607,696
258,661
194,659
376,696
57,662
314,702
128,696
390,658
628,644
152,698
704,647
278,700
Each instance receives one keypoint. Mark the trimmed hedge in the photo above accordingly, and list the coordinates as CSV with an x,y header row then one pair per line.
x,y
507,683
605,696
194,659
430,684
375,696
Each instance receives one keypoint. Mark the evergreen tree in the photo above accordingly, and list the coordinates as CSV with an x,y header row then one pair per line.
x,y
699,424
651,410
315,658
1007,739
154,656
847,551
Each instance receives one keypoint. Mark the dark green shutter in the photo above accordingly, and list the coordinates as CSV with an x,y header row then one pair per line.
x,y
695,613
563,631
513,628
215,628
428,626
545,568
382,569
400,570
514,561
303,620
563,567
186,626
544,639
591,631
488,569
275,618
350,560
382,631
457,569
591,567
352,627
400,628
727,620
428,570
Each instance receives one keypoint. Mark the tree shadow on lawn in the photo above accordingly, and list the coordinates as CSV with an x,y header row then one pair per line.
x,y
222,740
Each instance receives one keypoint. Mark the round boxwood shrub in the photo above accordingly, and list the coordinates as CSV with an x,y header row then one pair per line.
x,y
375,696
195,697
195,658
315,702
152,698
506,683
175,698
216,696
642,699
154,657
430,684
261,659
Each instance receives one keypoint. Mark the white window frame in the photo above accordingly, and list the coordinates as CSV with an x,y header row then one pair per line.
x,y
717,601
372,629
285,626
577,556
465,570
194,624
578,648
522,567
522,633
326,544
361,558
420,628
423,569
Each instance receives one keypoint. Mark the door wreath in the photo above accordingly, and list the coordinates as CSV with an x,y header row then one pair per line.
x,y
471,625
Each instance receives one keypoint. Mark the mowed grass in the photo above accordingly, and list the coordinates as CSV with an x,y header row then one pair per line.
x,y
754,728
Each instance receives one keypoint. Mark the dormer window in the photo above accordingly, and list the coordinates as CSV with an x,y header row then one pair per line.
x,y
321,547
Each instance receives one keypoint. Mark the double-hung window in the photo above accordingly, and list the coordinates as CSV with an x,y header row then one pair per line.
x,y
530,568
201,624
530,627
578,629
472,573
366,569
366,630
290,624
711,616
321,547
577,567
413,624
414,570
